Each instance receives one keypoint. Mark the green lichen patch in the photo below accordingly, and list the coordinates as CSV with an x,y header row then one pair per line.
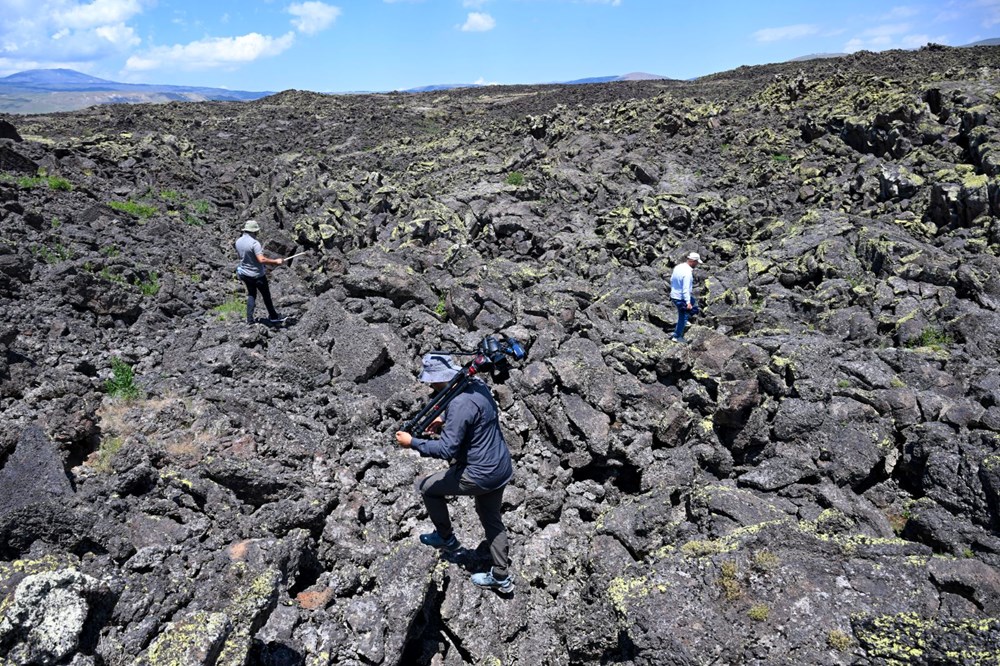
x,y
196,639
905,638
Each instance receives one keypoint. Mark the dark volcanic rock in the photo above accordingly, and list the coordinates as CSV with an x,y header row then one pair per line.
x,y
814,479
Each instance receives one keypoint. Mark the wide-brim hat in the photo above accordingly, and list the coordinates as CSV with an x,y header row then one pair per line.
x,y
251,225
438,368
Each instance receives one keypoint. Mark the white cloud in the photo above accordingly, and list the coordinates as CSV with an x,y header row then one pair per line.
x,y
899,13
95,14
891,36
483,82
67,31
916,41
313,17
212,52
120,35
478,22
797,31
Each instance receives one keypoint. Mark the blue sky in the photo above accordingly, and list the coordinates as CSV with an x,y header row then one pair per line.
x,y
355,45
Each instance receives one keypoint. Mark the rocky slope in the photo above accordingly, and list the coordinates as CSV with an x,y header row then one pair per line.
x,y
814,480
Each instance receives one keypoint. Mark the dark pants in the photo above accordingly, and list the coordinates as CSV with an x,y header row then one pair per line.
x,y
437,487
253,285
683,314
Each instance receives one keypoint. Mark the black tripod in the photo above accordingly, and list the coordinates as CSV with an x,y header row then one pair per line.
x,y
490,355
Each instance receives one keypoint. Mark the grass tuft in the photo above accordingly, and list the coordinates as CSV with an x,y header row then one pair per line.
x,y
235,305
122,383
143,211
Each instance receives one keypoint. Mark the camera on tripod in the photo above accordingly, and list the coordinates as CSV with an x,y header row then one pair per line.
x,y
492,355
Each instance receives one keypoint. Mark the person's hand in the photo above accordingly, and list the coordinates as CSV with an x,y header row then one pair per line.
x,y
281,261
434,427
689,306
404,439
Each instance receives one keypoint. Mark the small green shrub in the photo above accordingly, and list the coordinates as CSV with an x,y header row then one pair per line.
x,y
54,254
759,612
52,182
201,207
515,178
193,220
139,210
170,195
56,183
931,337
110,251
108,449
56,223
235,305
106,274
844,383
441,309
150,286
122,383
780,157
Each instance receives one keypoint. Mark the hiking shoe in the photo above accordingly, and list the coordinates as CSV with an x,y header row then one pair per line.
x,y
434,540
488,580
676,339
277,320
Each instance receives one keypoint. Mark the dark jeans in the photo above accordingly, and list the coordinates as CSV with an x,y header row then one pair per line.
x,y
437,487
683,314
253,285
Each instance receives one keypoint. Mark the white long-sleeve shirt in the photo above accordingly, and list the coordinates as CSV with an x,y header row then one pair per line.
x,y
681,281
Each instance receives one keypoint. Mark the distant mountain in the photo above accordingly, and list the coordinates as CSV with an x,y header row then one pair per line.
x,y
441,86
51,90
986,42
816,56
633,76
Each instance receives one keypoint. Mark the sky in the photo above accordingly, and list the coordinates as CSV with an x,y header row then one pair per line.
x,y
382,45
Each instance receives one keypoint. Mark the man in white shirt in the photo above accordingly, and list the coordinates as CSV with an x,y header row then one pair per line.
x,y
681,283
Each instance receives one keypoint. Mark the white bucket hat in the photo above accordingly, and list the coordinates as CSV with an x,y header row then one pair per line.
x,y
694,256
251,226
438,368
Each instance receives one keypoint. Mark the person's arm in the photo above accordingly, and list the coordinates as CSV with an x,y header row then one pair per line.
x,y
258,250
460,417
688,282
272,262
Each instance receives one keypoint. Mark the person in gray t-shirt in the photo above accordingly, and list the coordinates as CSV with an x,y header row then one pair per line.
x,y
253,274
480,466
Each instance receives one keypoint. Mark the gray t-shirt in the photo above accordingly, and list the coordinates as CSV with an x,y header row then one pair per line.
x,y
248,248
471,437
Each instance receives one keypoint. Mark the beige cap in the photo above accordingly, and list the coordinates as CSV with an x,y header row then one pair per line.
x,y
251,226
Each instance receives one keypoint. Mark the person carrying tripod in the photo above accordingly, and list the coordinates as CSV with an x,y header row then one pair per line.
x,y
481,466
